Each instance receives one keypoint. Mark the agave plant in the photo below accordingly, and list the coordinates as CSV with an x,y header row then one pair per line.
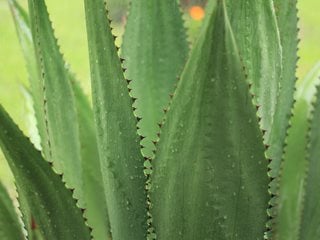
x,y
230,155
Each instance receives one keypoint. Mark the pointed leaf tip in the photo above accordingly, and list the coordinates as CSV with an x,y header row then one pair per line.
x,y
211,133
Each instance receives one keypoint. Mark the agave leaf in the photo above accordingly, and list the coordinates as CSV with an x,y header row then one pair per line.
x,y
311,213
44,200
118,141
293,176
60,141
257,34
10,227
90,165
31,120
155,50
94,197
210,175
286,13
22,24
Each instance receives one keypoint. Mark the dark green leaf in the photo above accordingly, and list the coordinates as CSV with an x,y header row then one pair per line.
x,y
10,227
118,141
210,174
45,202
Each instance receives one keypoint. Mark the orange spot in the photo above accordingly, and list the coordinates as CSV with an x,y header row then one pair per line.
x,y
197,13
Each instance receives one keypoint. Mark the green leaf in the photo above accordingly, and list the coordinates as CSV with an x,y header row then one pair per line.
x,y
93,198
118,142
292,178
295,165
155,50
286,13
311,212
60,141
210,174
257,35
10,227
31,121
44,200
22,24
267,42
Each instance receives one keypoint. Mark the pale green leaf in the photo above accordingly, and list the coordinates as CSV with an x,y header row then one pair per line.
x,y
257,35
286,13
60,141
155,50
311,213
22,24
93,198
295,165
31,120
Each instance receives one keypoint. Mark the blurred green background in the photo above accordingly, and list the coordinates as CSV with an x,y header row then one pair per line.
x,y
69,23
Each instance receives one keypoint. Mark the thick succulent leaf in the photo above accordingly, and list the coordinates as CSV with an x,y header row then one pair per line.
x,y
10,227
93,198
265,57
96,207
155,50
22,24
292,178
31,121
118,142
286,13
210,175
311,211
257,34
60,141
44,200
295,165
311,215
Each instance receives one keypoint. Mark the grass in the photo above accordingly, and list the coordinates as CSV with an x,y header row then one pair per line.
x,y
69,23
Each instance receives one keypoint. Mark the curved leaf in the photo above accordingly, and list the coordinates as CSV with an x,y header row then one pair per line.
x,y
261,52
95,202
210,175
31,120
10,227
295,166
45,202
286,12
93,198
155,50
118,142
311,213
22,24
60,141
